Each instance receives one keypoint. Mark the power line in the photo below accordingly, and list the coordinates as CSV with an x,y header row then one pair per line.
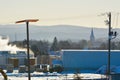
x,y
113,22
117,19
68,18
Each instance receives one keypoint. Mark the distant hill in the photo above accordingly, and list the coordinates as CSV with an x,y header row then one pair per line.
x,y
62,32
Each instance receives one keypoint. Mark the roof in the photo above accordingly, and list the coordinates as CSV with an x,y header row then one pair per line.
x,y
86,50
57,62
54,53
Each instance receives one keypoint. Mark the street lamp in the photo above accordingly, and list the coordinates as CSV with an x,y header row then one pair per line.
x,y
27,30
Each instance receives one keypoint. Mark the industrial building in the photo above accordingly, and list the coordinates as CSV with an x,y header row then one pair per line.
x,y
16,60
10,55
88,59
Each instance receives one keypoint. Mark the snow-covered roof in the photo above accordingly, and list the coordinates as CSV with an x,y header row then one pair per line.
x,y
86,50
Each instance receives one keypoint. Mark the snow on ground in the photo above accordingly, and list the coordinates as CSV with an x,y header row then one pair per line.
x,y
32,78
50,77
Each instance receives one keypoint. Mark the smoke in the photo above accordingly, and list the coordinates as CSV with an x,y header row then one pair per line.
x,y
5,47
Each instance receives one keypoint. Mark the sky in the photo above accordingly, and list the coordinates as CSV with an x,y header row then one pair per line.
x,y
60,12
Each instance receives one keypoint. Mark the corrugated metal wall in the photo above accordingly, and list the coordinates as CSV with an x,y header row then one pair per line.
x,y
88,59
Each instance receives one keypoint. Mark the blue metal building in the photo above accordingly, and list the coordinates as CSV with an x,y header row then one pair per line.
x,y
88,59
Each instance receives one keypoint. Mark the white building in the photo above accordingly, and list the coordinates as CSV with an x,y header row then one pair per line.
x,y
9,52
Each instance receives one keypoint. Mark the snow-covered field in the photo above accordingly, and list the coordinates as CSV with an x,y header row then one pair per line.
x,y
42,76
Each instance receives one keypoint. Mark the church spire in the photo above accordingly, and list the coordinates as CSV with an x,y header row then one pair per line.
x,y
92,38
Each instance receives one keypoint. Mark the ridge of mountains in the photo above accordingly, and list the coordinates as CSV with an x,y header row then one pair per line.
x,y
62,32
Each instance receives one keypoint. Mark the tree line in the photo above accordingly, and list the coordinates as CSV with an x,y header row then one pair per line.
x,y
42,47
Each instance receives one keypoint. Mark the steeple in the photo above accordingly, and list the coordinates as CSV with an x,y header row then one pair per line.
x,y
92,38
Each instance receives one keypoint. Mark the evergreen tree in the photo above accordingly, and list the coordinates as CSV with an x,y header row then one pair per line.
x,y
54,46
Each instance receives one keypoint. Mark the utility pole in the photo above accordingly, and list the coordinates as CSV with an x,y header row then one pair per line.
x,y
109,43
111,35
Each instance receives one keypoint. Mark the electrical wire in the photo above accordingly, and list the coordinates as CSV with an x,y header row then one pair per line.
x,y
113,22
117,19
68,18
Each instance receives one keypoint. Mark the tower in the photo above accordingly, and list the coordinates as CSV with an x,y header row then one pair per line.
x,y
92,37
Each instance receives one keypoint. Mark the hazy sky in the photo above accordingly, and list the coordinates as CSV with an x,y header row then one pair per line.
x,y
54,12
